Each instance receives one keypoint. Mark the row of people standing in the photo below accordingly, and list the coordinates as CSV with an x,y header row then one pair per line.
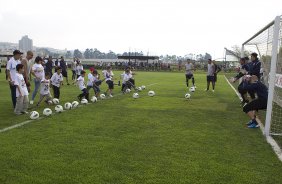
x,y
19,75
250,75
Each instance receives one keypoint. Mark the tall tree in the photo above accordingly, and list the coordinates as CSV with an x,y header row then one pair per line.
x,y
77,53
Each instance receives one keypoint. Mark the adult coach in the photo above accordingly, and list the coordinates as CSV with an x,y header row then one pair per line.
x,y
253,83
64,67
26,62
11,73
189,67
210,75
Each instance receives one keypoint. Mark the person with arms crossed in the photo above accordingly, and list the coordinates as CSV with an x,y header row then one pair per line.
x,y
26,63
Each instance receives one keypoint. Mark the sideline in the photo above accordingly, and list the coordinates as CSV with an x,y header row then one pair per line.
x,y
30,121
276,148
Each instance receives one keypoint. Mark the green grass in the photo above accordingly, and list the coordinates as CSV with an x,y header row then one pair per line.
x,y
161,139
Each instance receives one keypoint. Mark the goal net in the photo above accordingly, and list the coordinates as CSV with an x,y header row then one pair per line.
x,y
267,43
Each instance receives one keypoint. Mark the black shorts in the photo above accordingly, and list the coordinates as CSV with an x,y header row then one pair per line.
x,y
210,78
110,84
64,73
189,76
257,104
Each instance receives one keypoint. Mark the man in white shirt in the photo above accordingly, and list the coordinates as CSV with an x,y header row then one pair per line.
x,y
189,67
210,75
11,73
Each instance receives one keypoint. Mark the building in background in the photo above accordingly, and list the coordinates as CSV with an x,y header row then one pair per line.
x,y
25,44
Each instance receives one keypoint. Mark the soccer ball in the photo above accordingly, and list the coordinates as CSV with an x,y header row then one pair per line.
x,y
192,89
151,93
56,101
143,87
135,95
34,115
50,102
68,106
59,108
139,89
74,104
102,96
127,90
187,95
47,112
94,99
84,101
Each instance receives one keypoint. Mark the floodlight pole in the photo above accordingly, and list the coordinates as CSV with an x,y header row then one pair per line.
x,y
272,75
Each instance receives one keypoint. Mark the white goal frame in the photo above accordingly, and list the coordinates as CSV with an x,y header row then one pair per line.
x,y
272,74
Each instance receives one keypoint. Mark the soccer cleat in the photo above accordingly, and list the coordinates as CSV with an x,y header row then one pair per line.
x,y
253,125
31,102
24,112
79,98
111,96
213,90
206,89
249,123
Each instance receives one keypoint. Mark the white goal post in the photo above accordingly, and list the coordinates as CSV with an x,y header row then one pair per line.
x,y
267,43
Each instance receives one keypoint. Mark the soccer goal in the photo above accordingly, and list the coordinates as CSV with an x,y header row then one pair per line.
x,y
268,44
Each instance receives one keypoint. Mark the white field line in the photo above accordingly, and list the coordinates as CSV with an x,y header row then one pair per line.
x,y
277,150
29,121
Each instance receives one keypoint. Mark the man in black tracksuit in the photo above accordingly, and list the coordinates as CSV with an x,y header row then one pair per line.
x,y
244,69
255,66
252,83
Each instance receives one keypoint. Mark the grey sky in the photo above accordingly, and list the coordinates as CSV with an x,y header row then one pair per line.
x,y
160,26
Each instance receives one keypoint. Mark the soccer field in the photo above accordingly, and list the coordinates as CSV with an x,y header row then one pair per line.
x,y
160,139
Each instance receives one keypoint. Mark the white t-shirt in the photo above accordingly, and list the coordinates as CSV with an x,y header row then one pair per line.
x,y
45,87
126,77
108,75
38,70
90,79
73,65
188,68
19,81
56,79
211,70
80,82
79,68
11,66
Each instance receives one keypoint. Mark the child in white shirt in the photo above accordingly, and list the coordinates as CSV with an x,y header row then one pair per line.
x,y
57,81
45,90
81,85
21,91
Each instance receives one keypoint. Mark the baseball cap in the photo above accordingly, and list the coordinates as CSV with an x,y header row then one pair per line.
x,y
17,52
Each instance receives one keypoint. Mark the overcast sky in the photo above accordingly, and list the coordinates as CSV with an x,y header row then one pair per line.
x,y
159,26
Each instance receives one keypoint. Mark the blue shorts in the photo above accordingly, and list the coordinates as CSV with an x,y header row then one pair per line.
x,y
210,78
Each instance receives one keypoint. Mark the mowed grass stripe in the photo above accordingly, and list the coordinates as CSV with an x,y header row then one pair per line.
x,y
161,139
